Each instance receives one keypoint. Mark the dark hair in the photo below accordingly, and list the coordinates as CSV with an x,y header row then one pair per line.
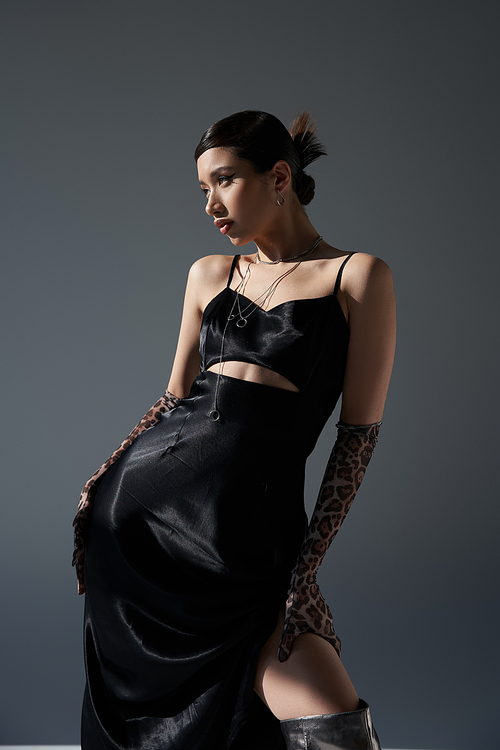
x,y
262,139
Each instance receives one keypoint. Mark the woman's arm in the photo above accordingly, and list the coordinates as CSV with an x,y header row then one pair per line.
x,y
368,296
368,291
206,279
80,523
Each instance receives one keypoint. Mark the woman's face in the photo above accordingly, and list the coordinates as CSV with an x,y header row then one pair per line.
x,y
241,202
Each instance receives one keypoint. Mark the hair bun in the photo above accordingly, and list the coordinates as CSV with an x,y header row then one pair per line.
x,y
305,188
307,143
309,148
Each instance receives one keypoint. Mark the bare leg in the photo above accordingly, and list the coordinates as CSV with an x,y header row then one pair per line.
x,y
312,681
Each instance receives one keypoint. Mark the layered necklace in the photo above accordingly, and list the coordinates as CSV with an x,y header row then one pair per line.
x,y
237,312
315,244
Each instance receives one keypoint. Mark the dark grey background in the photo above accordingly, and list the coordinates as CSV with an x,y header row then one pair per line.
x,y
102,105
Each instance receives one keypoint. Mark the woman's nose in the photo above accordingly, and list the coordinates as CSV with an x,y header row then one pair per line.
x,y
213,205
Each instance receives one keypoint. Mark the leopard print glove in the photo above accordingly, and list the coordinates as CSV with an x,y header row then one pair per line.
x,y
166,403
306,611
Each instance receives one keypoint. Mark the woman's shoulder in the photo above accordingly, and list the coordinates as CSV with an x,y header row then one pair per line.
x,y
208,276
211,269
364,272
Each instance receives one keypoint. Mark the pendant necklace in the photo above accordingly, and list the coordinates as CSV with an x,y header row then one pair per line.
x,y
258,302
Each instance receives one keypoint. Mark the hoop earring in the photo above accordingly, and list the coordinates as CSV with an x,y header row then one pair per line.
x,y
283,199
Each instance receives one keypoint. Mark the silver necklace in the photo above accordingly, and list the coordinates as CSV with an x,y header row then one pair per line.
x,y
259,301
214,413
291,257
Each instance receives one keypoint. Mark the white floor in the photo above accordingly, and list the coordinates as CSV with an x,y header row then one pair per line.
x,y
39,747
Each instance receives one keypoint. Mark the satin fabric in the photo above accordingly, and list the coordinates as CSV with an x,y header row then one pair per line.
x,y
302,339
193,536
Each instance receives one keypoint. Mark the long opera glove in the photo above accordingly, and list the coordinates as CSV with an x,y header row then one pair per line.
x,y
306,611
80,523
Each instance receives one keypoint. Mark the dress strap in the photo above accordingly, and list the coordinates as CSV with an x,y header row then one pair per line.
x,y
233,265
339,275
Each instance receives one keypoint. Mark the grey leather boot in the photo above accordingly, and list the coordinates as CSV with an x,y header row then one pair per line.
x,y
352,730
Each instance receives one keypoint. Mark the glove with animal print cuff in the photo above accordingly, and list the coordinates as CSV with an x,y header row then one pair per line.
x,y
166,403
306,611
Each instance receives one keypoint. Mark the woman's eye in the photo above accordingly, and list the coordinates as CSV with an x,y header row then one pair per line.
x,y
221,180
225,178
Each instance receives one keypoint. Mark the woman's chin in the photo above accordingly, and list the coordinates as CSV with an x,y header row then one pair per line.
x,y
238,241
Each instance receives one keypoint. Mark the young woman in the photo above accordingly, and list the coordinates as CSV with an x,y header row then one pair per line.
x,y
204,625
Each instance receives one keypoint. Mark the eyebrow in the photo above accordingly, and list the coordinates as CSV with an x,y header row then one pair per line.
x,y
219,170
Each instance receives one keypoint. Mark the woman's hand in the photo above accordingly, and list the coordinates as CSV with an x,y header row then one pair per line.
x,y
80,524
305,612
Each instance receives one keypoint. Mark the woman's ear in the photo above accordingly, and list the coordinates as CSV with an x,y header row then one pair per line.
x,y
282,175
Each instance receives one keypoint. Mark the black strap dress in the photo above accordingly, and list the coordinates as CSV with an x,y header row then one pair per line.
x,y
194,533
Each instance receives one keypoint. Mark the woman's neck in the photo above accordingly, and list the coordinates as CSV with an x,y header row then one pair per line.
x,y
292,236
